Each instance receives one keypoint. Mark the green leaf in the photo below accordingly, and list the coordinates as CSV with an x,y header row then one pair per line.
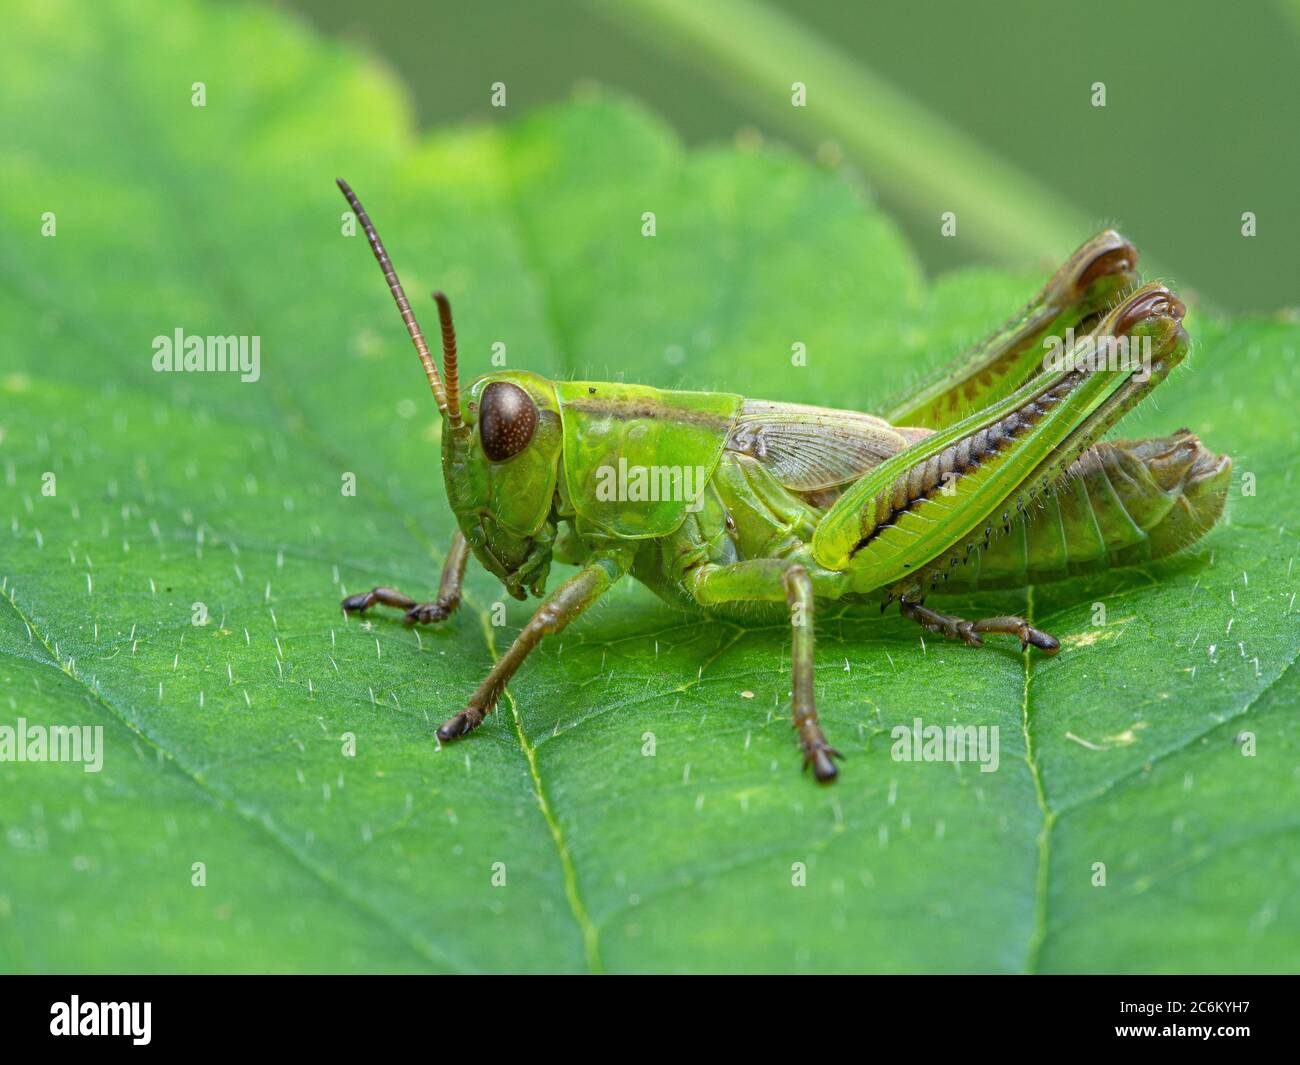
x,y
224,742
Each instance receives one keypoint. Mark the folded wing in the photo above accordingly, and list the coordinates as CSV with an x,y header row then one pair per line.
x,y
810,448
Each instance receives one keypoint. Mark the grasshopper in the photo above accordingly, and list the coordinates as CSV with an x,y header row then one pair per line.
x,y
988,475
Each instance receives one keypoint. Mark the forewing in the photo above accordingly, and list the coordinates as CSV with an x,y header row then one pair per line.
x,y
808,448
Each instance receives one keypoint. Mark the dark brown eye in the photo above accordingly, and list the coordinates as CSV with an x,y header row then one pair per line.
x,y
507,419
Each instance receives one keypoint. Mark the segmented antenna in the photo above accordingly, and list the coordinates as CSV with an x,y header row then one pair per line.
x,y
403,304
450,374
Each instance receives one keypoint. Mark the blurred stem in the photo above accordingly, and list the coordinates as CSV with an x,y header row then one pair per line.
x,y
912,154
1290,12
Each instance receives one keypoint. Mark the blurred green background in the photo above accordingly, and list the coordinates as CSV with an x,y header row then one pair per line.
x,y
1202,108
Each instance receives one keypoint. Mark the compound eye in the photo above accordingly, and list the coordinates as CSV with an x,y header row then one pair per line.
x,y
507,419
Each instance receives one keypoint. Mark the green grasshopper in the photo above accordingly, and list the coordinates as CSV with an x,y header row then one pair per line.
x,y
988,475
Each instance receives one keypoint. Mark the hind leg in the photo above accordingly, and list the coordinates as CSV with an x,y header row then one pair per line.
x,y
956,628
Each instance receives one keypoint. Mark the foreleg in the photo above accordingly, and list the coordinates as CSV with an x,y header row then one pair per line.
x,y
453,575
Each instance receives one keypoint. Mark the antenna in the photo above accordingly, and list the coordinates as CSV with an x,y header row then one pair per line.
x,y
403,304
449,370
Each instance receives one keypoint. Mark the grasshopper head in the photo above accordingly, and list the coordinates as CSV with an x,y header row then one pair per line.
x,y
501,444
500,465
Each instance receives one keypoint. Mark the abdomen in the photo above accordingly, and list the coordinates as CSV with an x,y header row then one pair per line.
x,y
1124,503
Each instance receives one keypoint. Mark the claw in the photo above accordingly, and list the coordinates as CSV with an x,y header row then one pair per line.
x,y
820,760
358,604
458,726
1044,642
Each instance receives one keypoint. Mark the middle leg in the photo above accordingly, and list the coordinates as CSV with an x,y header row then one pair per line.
x,y
816,751
561,607
771,580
